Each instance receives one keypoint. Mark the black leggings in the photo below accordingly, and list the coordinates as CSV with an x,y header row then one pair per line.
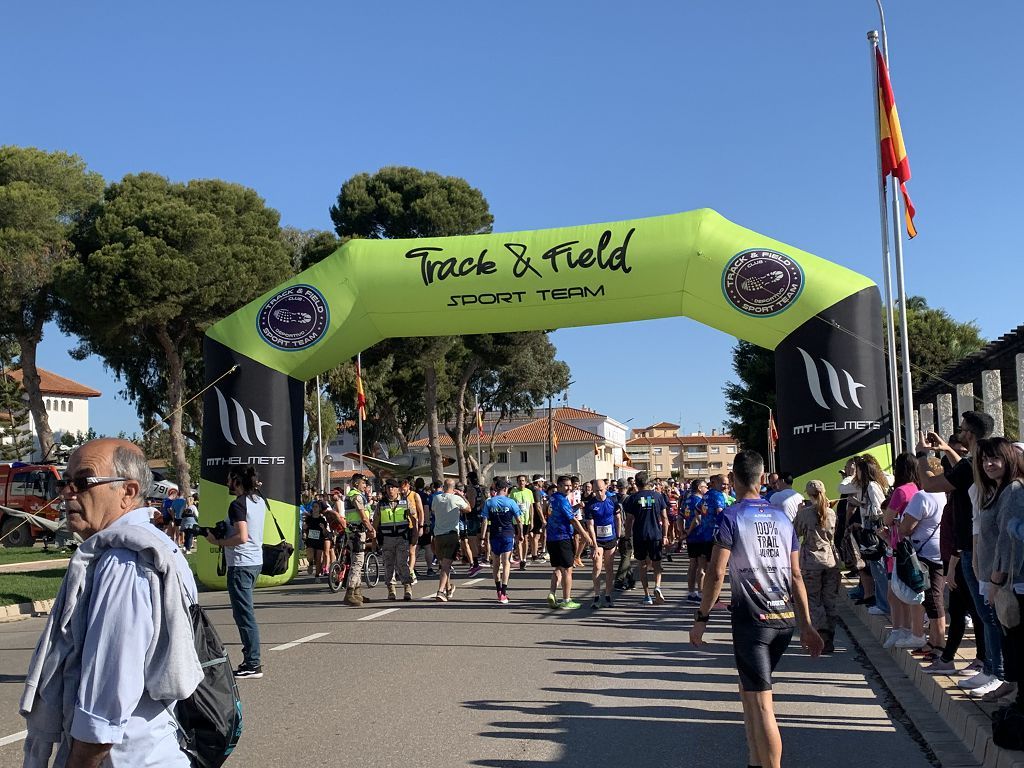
x,y
1013,654
960,605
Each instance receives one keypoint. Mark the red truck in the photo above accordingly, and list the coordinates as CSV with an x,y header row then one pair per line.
x,y
26,488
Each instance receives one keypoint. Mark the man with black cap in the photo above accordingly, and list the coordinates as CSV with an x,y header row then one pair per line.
x,y
502,518
391,519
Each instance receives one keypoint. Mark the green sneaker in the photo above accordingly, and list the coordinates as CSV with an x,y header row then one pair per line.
x,y
552,601
568,605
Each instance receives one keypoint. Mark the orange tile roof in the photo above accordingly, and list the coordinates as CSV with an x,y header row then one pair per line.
x,y
534,432
568,412
52,384
663,425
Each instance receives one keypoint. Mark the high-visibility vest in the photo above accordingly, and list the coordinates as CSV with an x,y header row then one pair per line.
x,y
352,513
394,516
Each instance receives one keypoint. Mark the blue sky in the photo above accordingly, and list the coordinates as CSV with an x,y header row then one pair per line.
x,y
562,114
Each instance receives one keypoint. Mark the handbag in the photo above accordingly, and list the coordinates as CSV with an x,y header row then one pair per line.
x,y
909,567
276,556
870,545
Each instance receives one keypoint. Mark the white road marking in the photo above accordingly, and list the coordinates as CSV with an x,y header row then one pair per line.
x,y
13,738
300,641
471,582
378,614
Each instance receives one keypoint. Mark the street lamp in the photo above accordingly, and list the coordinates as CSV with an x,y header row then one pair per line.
x,y
771,442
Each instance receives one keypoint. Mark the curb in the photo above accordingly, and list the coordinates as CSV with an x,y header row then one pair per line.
x,y
20,611
931,699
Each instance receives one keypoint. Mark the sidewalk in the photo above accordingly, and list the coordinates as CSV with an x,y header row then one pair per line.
x,y
969,719
34,565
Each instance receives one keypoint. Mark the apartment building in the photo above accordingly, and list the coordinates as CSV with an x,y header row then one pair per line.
x,y
661,451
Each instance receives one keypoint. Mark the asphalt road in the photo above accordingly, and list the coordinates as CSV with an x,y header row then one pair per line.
x,y
474,683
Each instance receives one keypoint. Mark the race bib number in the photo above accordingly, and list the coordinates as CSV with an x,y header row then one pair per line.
x,y
604,531
524,507
313,535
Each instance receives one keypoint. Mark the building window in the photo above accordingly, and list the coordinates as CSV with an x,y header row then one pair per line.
x,y
673,451
522,457
71,406
63,405
503,457
714,449
715,465
656,451
695,449
730,449
47,403
657,467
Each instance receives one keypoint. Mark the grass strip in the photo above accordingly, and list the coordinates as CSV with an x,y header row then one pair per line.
x,y
31,554
28,587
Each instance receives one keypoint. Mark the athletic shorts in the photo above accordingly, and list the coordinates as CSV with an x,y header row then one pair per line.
x,y
317,544
758,650
424,539
538,523
647,550
502,544
695,549
446,545
607,545
934,593
562,553
473,525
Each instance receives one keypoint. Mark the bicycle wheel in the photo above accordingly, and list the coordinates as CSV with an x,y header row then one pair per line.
x,y
371,569
336,576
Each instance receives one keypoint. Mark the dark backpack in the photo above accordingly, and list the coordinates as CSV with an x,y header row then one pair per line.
x,y
210,720
871,545
1008,728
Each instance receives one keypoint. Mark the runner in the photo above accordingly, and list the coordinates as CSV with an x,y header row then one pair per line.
x,y
416,525
604,522
476,495
501,515
523,497
755,542
700,531
446,508
540,514
316,533
562,523
647,525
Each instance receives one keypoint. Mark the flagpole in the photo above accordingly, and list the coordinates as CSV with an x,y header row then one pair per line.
x,y
359,411
479,456
908,385
890,313
319,440
771,443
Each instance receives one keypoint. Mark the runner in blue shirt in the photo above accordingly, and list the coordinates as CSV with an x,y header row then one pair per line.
x,y
562,523
501,518
647,524
755,542
601,513
699,531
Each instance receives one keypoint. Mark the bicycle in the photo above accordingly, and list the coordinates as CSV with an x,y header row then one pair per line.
x,y
372,566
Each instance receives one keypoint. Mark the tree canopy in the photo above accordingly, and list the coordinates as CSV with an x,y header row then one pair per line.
x,y
43,196
159,263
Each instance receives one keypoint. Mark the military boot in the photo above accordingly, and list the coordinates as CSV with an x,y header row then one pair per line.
x,y
360,596
408,592
829,642
392,595
350,597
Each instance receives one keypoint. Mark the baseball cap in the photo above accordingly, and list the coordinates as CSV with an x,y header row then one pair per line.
x,y
392,484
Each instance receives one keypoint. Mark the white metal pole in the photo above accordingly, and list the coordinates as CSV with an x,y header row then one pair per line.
x,y
359,413
890,327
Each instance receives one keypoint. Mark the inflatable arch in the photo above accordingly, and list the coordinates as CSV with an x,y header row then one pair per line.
x,y
821,319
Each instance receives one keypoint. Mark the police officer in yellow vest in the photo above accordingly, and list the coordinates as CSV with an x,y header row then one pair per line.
x,y
358,525
395,520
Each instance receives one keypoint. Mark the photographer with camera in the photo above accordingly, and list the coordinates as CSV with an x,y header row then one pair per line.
x,y
241,536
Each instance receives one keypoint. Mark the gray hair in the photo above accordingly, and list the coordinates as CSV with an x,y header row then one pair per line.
x,y
131,464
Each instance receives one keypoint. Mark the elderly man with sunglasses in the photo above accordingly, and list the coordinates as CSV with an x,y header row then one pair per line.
x,y
117,652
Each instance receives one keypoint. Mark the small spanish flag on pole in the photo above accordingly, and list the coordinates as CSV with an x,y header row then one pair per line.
x,y
479,423
554,440
894,152
360,395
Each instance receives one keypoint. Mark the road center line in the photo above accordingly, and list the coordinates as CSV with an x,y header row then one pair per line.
x,y
300,641
471,582
378,614
13,738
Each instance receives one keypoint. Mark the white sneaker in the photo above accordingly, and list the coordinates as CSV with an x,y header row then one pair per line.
x,y
874,610
977,681
910,641
895,635
988,687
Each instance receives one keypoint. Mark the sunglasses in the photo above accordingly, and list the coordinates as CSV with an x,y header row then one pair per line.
x,y
83,484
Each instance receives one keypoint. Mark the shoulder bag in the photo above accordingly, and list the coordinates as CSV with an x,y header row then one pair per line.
x,y
276,556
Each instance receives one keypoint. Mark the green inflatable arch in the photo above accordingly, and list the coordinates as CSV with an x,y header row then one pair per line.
x,y
821,319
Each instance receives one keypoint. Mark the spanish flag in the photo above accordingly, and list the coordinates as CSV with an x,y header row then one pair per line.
x,y
773,432
360,395
554,439
894,153
480,423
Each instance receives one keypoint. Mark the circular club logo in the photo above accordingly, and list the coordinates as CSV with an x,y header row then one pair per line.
x,y
294,319
762,283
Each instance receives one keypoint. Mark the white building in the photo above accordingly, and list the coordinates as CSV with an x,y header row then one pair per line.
x,y
67,407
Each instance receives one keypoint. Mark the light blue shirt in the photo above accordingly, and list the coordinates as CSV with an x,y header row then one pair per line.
x,y
112,705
